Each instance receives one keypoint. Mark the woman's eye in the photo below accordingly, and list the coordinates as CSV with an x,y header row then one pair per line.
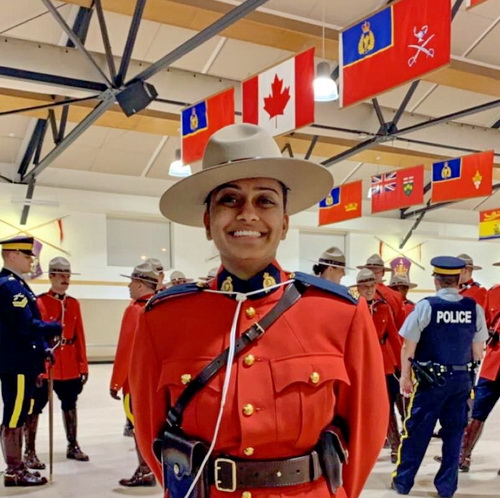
x,y
228,199
266,201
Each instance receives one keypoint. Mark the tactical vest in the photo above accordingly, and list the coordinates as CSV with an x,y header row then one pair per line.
x,y
448,337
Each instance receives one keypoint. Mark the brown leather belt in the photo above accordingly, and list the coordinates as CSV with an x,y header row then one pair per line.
x,y
67,342
229,474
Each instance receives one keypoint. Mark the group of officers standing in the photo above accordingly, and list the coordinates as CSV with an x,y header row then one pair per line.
x,y
318,374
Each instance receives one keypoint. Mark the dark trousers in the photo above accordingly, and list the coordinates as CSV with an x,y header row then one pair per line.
x,y
448,404
67,391
17,392
487,393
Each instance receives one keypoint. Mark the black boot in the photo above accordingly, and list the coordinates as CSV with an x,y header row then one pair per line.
x,y
471,436
74,452
393,436
30,457
143,476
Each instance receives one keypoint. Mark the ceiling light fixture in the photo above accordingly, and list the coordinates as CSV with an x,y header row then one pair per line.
x,y
325,88
178,168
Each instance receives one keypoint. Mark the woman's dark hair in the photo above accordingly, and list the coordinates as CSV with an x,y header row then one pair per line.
x,y
318,268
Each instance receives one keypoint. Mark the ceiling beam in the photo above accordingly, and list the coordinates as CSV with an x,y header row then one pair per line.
x,y
288,34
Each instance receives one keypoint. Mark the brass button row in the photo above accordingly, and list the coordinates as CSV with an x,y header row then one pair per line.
x,y
248,409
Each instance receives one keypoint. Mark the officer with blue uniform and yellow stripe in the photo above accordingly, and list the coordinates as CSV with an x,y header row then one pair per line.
x,y
443,339
23,339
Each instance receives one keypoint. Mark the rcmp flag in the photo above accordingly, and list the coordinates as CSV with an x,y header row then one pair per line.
x,y
397,189
463,177
343,203
489,224
397,44
202,120
281,99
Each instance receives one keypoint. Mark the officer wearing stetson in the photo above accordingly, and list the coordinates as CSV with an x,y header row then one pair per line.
x,y
401,283
70,369
23,341
443,338
331,265
144,282
468,286
159,268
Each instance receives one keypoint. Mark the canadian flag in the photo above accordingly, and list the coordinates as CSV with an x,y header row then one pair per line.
x,y
281,99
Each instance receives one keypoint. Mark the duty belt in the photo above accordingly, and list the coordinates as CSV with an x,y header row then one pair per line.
x,y
469,367
68,342
230,474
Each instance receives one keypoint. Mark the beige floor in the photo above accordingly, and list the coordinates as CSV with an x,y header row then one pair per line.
x,y
112,456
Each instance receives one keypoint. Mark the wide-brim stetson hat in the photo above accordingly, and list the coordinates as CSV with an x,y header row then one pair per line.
x,y
242,151
144,272
469,263
333,256
374,262
60,265
365,276
402,280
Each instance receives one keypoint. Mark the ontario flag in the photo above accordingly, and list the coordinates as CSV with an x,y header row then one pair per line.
x,y
342,203
397,44
202,120
489,224
463,177
397,189
281,99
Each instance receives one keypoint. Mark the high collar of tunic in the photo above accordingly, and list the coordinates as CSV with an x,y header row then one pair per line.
x,y
56,295
269,276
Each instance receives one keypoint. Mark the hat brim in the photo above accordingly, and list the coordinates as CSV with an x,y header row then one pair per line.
x,y
373,267
317,262
307,183
59,272
474,267
139,278
410,285
496,264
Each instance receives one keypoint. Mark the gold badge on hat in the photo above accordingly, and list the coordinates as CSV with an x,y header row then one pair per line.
x,y
268,281
227,285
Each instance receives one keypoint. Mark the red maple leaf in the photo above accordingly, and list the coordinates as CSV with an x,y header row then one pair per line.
x,y
276,101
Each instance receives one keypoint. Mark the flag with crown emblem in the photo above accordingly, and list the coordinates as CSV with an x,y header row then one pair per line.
x,y
395,45
397,189
201,120
489,224
463,177
342,203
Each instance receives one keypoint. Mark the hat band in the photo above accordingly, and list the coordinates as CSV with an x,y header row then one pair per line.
x,y
447,271
366,281
16,246
233,161
331,262
142,276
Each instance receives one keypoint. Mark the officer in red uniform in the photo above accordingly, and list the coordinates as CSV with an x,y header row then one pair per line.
x,y
143,284
70,370
317,366
401,283
488,387
469,287
331,265
390,344
376,264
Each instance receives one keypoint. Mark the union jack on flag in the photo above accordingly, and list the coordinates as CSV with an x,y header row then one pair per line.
x,y
386,182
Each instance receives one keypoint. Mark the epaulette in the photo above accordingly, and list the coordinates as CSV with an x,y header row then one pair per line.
x,y
4,280
326,285
176,290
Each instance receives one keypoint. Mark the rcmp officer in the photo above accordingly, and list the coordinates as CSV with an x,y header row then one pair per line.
x,y
316,366
443,337
468,286
331,265
177,278
70,370
487,389
376,264
390,344
23,341
143,284
401,283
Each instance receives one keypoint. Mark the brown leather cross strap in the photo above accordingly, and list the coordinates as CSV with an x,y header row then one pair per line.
x,y
291,295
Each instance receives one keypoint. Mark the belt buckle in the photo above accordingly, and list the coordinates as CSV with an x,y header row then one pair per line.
x,y
63,341
219,465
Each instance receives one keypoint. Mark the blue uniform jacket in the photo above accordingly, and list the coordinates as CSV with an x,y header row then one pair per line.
x,y
23,334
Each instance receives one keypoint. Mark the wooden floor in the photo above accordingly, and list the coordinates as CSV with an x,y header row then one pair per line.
x,y
112,456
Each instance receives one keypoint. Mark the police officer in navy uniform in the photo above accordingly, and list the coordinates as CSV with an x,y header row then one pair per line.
x,y
23,341
443,338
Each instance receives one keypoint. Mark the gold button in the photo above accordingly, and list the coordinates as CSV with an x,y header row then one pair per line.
x,y
314,377
177,469
249,360
186,378
248,409
248,451
246,494
250,312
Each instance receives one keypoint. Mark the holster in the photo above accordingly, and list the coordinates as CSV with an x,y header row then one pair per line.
x,y
333,453
181,460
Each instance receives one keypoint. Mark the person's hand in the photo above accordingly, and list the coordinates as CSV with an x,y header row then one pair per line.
x,y
405,386
84,378
114,394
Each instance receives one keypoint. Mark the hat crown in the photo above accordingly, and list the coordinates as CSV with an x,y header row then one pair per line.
x,y
59,264
176,275
364,276
468,260
333,254
375,260
155,263
400,280
238,142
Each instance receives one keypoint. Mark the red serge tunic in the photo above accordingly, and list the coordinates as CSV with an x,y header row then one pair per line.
x,y
324,333
395,301
71,357
121,365
475,291
409,306
491,362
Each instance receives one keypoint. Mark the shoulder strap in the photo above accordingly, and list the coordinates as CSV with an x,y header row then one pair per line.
x,y
257,330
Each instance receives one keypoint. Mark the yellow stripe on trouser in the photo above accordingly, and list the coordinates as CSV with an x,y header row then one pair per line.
x,y
18,405
405,431
128,408
32,405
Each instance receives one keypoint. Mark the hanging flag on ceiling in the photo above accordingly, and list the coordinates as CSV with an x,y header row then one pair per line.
x,y
281,99
202,120
397,189
397,44
489,224
463,177
474,3
343,203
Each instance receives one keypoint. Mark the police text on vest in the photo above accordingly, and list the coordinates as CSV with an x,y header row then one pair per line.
x,y
454,317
